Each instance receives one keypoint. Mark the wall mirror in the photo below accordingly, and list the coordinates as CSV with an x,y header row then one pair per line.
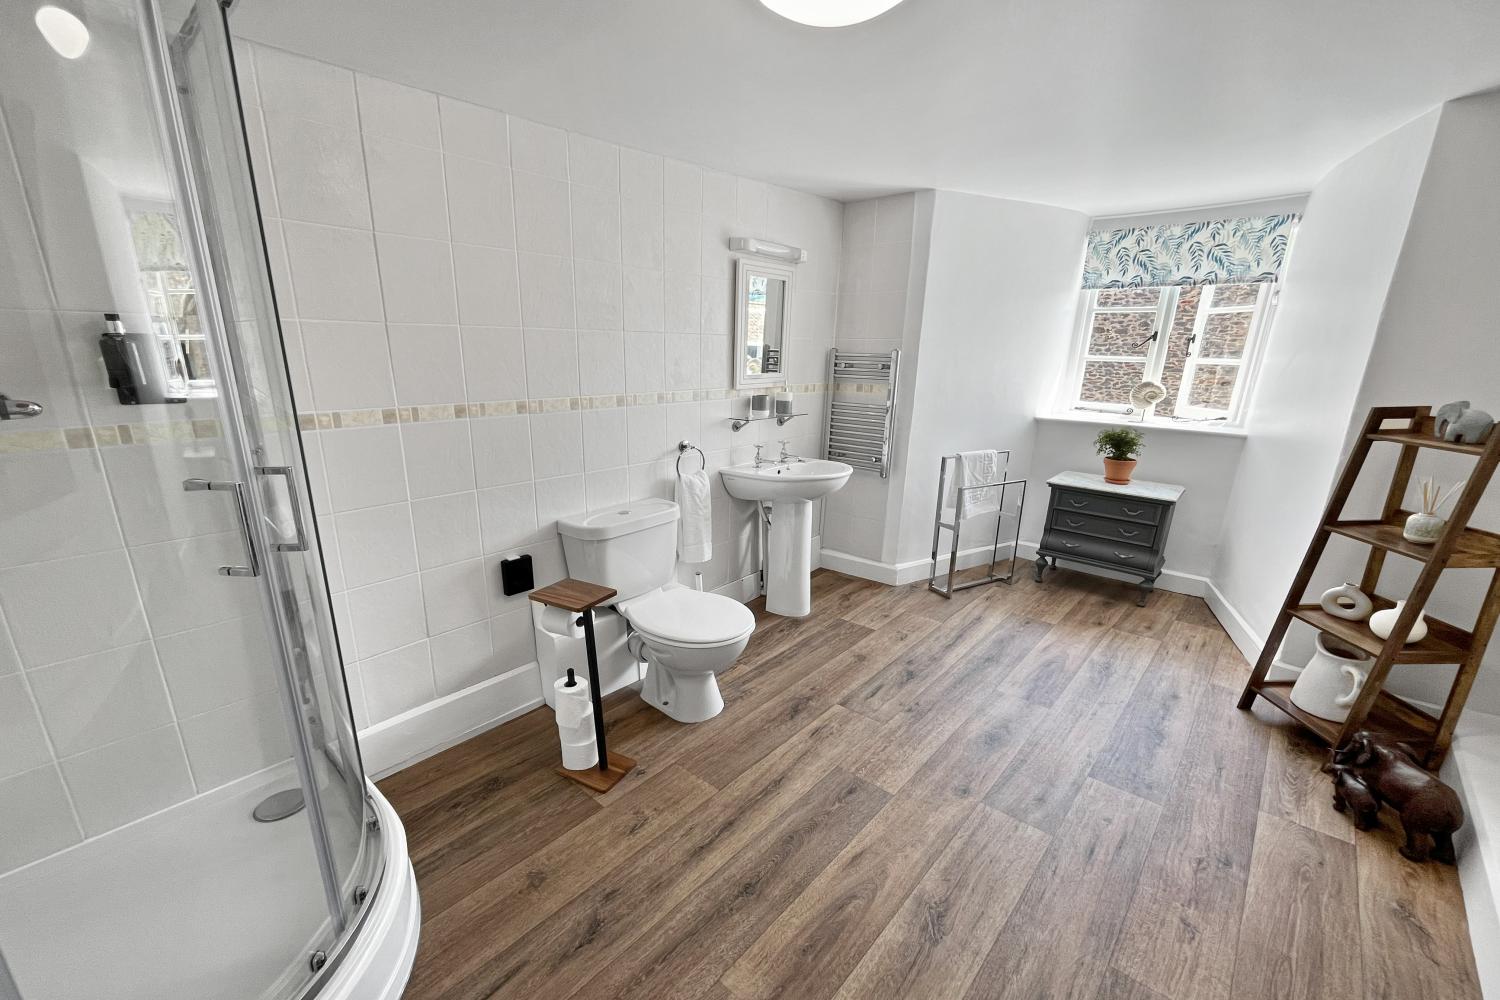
x,y
762,323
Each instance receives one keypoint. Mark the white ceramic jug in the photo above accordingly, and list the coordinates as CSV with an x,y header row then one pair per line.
x,y
1332,679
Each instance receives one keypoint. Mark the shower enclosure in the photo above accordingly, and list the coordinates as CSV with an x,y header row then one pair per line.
x,y
183,809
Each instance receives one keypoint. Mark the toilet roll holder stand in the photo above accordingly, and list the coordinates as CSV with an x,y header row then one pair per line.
x,y
581,598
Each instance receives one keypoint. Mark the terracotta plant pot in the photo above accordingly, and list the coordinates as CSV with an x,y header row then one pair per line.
x,y
1118,472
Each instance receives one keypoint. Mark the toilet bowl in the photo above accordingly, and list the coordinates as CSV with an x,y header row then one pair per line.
x,y
685,636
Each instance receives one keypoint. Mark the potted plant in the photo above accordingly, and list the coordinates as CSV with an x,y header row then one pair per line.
x,y
1119,446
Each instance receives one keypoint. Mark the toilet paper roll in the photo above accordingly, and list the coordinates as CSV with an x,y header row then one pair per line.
x,y
560,622
580,757
572,703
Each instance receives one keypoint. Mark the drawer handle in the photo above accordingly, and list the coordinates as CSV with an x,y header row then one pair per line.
x,y
1071,545
1132,513
1129,532
1124,555
1073,522
1078,503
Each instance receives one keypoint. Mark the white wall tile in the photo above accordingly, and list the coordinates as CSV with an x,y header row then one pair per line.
x,y
542,214
681,352
396,111
507,517
641,175
502,450
348,364
556,443
494,363
601,362
547,291
489,293
397,681
72,607
235,740
364,467
416,279
681,423
462,658
718,301
438,457
683,242
375,544
683,307
128,779
593,162
716,362
551,363
642,306
559,497
604,439
454,596
480,208
209,667
57,504
334,272
428,364
319,172
646,429
606,489
35,818
305,87
407,189
98,699
645,364
720,196
642,234
597,288
540,149
182,587
684,186
446,528
472,131
596,223
386,616
894,218
23,744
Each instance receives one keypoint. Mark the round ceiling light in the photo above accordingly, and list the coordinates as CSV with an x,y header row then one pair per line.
x,y
62,29
830,13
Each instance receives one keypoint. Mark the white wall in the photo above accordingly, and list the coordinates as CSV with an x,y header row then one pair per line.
x,y
1332,297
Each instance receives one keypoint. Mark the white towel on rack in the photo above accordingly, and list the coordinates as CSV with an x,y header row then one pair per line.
x,y
695,528
975,468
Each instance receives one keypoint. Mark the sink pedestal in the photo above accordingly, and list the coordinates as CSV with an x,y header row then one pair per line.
x,y
789,559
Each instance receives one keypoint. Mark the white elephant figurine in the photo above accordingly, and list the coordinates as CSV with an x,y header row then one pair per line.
x,y
1456,421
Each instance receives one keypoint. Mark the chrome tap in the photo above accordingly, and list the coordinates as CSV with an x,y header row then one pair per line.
x,y
758,460
787,456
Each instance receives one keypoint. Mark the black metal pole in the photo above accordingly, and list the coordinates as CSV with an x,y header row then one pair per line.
x,y
587,618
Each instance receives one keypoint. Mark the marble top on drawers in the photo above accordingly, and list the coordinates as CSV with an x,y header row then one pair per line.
x,y
1138,488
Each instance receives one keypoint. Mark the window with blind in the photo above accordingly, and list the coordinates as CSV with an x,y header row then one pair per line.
x,y
1180,307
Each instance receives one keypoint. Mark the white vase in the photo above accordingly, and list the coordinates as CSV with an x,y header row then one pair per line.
x,y
1332,680
1347,602
1381,623
1424,529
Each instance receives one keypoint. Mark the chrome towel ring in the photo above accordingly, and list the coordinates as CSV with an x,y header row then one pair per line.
x,y
683,447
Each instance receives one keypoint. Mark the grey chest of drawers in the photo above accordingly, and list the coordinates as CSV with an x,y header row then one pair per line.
x,y
1100,524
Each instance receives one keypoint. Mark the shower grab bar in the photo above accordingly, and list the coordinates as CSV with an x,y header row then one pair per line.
x,y
295,500
241,504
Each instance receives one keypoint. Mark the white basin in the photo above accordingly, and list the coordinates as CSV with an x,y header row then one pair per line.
x,y
790,488
804,480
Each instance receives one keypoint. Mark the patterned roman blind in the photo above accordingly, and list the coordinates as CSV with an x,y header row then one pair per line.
x,y
1192,253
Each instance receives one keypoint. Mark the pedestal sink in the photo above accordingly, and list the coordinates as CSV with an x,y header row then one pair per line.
x,y
790,488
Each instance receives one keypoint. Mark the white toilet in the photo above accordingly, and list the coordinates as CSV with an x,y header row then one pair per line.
x,y
684,635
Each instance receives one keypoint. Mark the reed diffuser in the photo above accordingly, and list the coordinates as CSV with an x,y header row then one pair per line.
x,y
1426,525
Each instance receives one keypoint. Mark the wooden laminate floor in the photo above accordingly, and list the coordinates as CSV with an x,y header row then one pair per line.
x,y
1029,791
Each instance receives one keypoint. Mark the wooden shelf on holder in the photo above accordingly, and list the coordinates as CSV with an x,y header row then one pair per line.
x,y
1475,549
1422,437
1443,643
1390,715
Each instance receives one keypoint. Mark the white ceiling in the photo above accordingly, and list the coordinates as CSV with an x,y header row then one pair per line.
x,y
1108,106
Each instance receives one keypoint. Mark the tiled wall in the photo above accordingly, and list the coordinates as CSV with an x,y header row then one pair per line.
x,y
494,323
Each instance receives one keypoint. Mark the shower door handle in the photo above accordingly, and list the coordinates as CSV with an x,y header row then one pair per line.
x,y
18,409
238,489
286,473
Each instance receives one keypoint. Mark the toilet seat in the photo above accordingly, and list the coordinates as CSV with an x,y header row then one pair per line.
x,y
689,618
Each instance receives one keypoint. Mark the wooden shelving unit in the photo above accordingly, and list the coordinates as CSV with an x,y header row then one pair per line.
x,y
1459,547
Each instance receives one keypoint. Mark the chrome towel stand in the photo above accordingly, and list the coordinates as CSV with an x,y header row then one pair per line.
x,y
685,446
948,472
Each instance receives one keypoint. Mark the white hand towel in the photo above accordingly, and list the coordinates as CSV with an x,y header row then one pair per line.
x,y
974,468
695,528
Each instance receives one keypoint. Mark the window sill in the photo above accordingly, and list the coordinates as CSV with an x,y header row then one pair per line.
x,y
1118,420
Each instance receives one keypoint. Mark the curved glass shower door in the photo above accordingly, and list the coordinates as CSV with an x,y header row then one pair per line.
x,y
167,656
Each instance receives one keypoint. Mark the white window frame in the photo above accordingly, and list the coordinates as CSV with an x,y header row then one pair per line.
x,y
1156,357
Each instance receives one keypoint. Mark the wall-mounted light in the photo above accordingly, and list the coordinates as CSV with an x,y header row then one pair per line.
x,y
63,30
830,13
765,248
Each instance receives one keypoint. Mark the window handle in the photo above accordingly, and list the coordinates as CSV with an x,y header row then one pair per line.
x,y
1154,335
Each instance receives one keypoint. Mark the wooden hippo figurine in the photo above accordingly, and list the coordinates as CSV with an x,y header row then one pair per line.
x,y
1350,793
1429,810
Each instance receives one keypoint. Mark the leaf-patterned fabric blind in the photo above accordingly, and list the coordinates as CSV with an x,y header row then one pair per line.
x,y
1192,253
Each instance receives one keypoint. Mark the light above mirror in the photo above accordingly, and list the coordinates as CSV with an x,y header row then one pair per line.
x,y
63,30
830,13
